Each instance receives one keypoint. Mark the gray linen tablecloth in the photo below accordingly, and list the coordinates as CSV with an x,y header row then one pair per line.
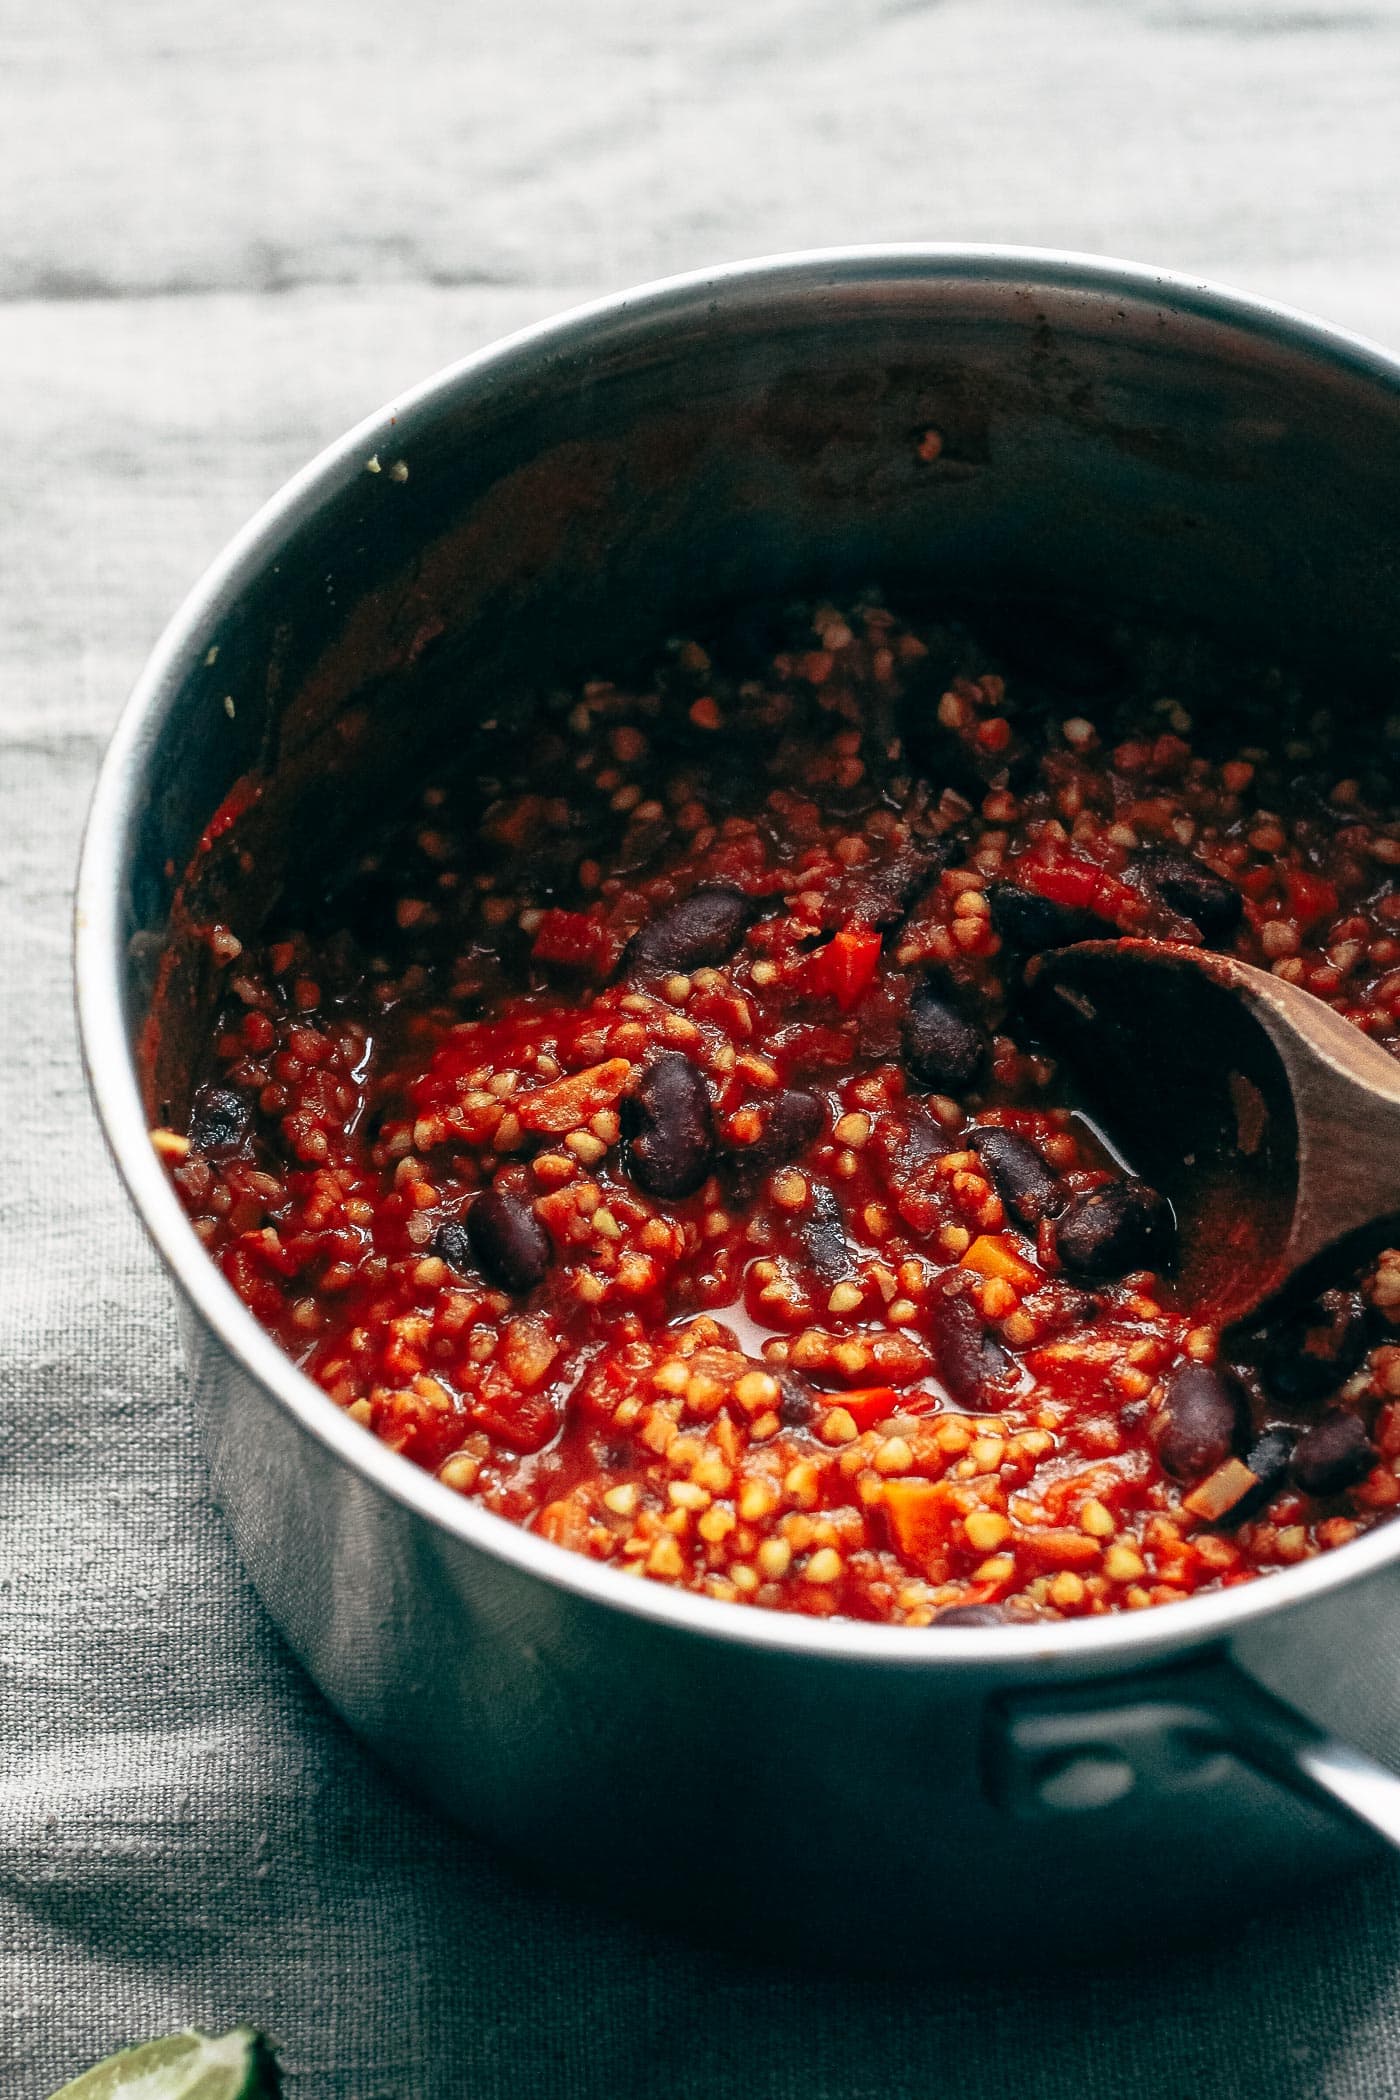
x,y
223,235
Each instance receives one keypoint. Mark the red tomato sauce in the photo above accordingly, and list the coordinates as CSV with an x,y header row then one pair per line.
x,y
645,1138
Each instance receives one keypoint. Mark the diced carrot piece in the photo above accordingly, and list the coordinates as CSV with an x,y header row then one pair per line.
x,y
1220,1490
991,1255
869,1404
1058,1547
565,1103
843,969
920,1514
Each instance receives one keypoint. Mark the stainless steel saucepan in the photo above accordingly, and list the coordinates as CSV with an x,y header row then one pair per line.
x,y
544,510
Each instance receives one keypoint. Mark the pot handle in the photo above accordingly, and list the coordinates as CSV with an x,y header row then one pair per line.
x,y
1087,1746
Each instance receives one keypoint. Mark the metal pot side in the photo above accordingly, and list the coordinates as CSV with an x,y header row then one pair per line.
x,y
540,512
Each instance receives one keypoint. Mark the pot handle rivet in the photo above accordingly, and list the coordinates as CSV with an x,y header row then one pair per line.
x,y
1085,1779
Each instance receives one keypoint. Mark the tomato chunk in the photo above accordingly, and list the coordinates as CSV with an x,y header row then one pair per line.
x,y
577,940
844,969
1310,897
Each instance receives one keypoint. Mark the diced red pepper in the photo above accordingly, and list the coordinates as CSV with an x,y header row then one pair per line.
x,y
1080,885
870,1404
577,940
844,968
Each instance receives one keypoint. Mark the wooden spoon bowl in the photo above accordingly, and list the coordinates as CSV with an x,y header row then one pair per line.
x,y
1272,1124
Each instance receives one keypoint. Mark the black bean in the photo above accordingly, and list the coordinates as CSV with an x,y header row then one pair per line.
x,y
880,895
942,1047
1308,1354
1198,893
797,1404
510,1244
220,1121
1119,1226
667,1127
1030,1189
702,928
1268,1457
1334,1454
1270,1454
824,1236
970,1362
914,1142
1065,1305
792,1119
971,1615
1204,1421
450,1244
1033,924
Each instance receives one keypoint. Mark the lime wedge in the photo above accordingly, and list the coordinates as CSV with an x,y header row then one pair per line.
x,y
186,2066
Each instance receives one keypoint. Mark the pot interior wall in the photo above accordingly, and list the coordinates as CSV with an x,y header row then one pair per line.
x,y
560,516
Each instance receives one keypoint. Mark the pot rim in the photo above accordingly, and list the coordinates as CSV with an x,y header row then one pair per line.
x,y
1069,1645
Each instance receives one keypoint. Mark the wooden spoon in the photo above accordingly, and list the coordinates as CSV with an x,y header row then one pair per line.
x,y
1272,1124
